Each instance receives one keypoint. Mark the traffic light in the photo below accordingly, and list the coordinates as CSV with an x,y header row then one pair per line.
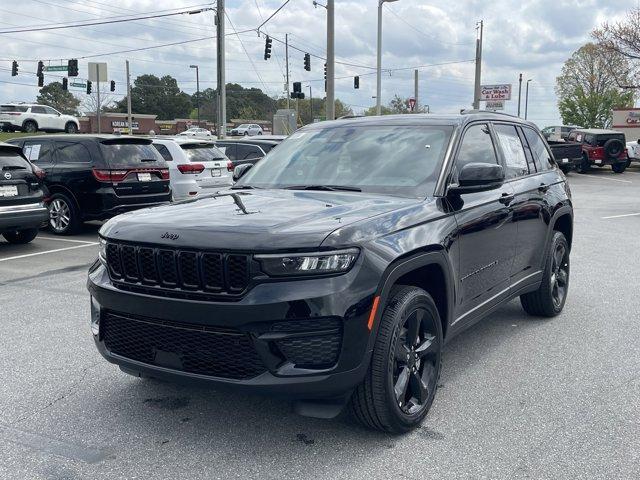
x,y
307,62
40,67
14,69
325,72
113,85
72,67
356,82
88,87
267,48
297,87
41,80
65,84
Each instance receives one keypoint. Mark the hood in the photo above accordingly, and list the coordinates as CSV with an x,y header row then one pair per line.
x,y
255,220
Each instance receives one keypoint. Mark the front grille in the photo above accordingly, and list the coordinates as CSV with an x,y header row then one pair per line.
x,y
172,272
185,347
314,343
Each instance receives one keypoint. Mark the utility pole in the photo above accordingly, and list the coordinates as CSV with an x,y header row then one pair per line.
x,y
526,100
476,95
222,86
330,107
415,88
311,103
129,117
197,90
519,92
98,96
286,61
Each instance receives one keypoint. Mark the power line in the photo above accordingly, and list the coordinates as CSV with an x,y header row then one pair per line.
x,y
105,22
257,29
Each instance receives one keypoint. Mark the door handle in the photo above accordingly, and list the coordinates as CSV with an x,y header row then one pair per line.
x,y
506,198
543,188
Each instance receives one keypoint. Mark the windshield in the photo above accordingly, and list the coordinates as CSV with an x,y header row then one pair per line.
x,y
130,154
402,160
202,153
244,125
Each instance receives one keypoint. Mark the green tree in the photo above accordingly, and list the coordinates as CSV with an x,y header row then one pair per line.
x,y
621,39
159,96
53,95
587,90
397,105
319,108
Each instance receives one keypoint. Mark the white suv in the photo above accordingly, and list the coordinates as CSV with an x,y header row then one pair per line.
x,y
247,129
196,132
195,166
31,117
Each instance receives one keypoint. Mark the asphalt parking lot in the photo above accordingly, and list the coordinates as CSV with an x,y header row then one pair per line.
x,y
519,397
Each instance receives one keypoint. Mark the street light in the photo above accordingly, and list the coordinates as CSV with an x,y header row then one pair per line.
x,y
379,64
526,99
197,90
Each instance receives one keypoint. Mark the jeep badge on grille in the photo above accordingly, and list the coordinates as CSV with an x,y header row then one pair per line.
x,y
170,236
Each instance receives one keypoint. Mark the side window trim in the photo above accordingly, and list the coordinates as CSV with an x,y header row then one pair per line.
x,y
504,163
527,151
544,143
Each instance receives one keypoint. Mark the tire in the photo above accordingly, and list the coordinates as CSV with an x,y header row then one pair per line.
x,y
259,133
20,237
583,166
64,217
30,126
71,127
246,134
565,170
613,147
619,167
391,397
549,299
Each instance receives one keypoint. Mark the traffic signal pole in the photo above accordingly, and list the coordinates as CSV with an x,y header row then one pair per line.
x,y
330,107
98,96
476,91
129,117
286,61
222,87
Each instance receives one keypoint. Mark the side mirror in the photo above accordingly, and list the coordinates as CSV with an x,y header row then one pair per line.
x,y
240,170
478,177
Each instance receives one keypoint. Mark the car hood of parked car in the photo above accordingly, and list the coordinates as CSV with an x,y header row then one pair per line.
x,y
254,220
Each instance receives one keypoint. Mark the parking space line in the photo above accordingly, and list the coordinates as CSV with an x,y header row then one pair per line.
x,y
623,215
55,239
614,179
47,251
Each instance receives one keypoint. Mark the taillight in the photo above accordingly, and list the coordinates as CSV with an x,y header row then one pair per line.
x,y
193,168
164,173
38,172
229,166
109,175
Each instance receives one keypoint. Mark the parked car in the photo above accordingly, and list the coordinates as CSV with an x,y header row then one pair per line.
x,y
195,166
633,150
247,129
568,155
600,148
31,117
94,177
22,210
335,270
196,132
558,132
246,150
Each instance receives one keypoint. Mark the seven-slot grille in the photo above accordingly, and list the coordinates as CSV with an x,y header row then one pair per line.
x,y
178,270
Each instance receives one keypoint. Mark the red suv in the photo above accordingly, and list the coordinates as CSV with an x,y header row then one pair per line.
x,y
601,147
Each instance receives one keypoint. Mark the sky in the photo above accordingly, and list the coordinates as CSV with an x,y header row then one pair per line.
x,y
532,37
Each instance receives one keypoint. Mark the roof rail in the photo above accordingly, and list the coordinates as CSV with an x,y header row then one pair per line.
x,y
471,110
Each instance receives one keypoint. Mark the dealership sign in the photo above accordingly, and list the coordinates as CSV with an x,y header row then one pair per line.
x,y
118,124
495,92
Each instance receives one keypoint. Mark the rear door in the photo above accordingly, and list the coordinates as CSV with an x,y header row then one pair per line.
x,y
43,120
18,183
133,166
247,153
40,153
214,171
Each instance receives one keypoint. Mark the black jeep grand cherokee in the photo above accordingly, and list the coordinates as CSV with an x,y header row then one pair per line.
x,y
337,267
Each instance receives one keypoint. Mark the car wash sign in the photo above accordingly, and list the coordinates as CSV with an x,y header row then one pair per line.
x,y
494,93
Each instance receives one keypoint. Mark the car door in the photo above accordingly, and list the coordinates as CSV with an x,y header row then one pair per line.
x,y
54,118
486,233
40,153
529,212
73,169
43,120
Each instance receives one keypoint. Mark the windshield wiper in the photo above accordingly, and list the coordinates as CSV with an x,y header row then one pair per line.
x,y
243,187
331,188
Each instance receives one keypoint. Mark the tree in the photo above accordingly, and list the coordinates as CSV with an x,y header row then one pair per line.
x,y
319,108
89,103
587,90
53,95
158,96
622,39
397,105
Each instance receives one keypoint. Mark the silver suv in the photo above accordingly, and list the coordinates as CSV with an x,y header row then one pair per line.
x,y
33,117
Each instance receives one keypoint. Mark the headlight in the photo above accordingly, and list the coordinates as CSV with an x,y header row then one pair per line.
x,y
278,265
102,251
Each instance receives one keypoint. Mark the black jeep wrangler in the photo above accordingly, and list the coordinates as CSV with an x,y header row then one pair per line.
x,y
337,267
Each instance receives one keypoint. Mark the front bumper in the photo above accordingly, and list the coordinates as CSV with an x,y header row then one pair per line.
x,y
253,318
18,217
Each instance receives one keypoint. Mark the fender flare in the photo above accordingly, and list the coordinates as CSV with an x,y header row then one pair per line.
x,y
31,120
565,209
405,265
57,188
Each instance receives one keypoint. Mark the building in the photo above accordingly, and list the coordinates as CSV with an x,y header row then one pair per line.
x,y
627,120
143,124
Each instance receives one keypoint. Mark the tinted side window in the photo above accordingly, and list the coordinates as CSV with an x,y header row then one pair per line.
x,y
476,147
164,151
73,153
541,155
38,110
38,152
246,152
515,159
228,149
50,111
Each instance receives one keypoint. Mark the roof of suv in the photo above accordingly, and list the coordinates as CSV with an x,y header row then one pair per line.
x,y
81,136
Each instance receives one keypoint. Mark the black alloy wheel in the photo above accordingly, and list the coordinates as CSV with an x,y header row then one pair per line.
x,y
415,361
560,274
